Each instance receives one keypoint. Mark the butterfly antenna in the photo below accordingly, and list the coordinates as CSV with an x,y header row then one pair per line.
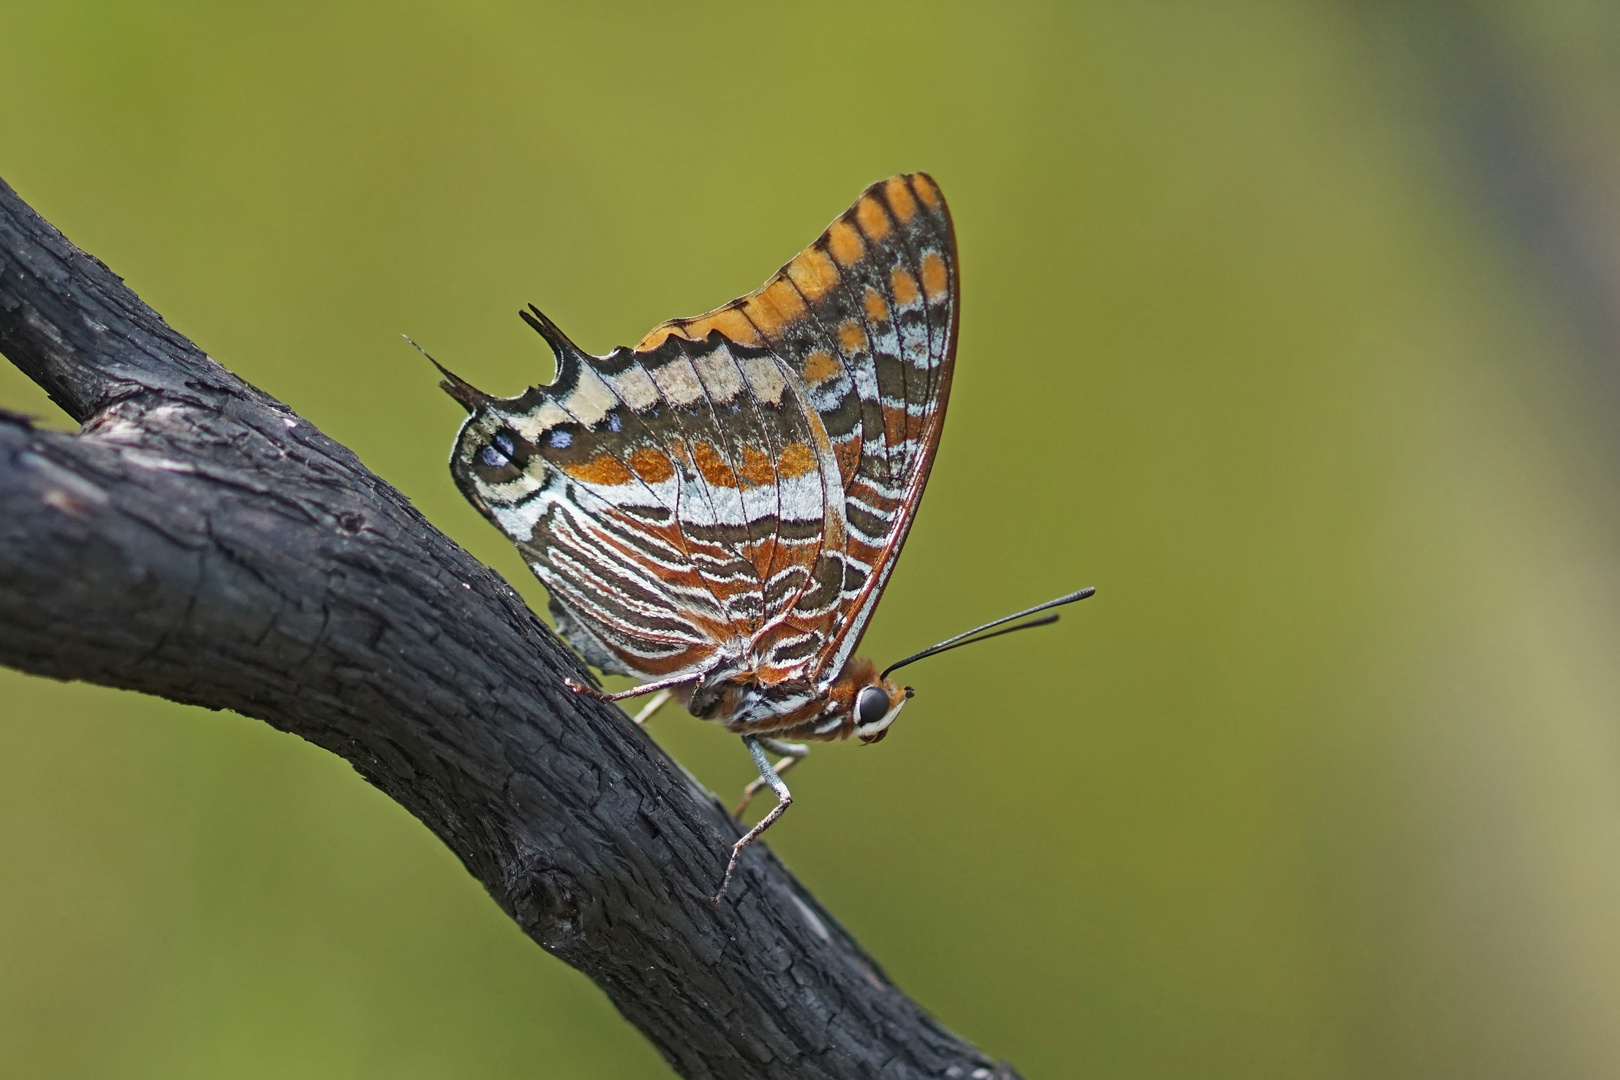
x,y
972,637
468,395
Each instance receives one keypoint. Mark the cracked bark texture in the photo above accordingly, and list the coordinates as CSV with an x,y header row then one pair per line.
x,y
198,540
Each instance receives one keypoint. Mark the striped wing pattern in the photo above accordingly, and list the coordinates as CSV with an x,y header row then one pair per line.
x,y
727,498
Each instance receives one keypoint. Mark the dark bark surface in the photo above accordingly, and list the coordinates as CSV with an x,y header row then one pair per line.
x,y
198,540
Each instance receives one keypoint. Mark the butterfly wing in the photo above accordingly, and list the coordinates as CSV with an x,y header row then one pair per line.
x,y
606,482
864,320
728,498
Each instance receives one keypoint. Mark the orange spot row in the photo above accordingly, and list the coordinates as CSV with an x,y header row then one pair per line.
x,y
935,278
652,465
796,460
757,470
852,336
774,307
813,272
712,466
604,469
871,218
845,243
900,200
764,314
926,189
877,308
904,286
820,366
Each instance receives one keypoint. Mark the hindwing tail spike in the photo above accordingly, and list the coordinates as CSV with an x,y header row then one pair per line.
x,y
467,395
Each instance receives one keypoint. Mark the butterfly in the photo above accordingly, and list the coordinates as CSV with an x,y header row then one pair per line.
x,y
716,511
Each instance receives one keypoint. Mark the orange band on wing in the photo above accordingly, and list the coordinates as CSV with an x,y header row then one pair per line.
x,y
820,366
900,200
904,285
926,191
604,469
845,243
871,218
935,276
813,272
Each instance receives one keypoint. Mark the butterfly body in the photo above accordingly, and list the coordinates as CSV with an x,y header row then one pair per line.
x,y
718,509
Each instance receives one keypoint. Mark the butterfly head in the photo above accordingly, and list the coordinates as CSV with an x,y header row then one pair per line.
x,y
874,707
875,700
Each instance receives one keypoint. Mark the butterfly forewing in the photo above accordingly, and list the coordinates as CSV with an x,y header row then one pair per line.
x,y
728,498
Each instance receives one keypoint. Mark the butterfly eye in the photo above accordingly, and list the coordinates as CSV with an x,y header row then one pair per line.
x,y
871,705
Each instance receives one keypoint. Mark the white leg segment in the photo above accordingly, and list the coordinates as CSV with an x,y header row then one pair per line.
x,y
792,754
784,799
658,701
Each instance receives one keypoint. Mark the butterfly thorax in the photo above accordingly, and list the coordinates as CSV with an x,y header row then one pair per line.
x,y
797,709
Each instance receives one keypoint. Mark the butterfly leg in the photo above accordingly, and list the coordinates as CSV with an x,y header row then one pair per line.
x,y
635,691
784,799
659,700
792,754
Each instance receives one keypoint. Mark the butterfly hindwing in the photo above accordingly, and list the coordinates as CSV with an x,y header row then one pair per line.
x,y
729,496
867,318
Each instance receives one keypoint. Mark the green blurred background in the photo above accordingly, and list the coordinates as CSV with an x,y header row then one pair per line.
x,y
1285,324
